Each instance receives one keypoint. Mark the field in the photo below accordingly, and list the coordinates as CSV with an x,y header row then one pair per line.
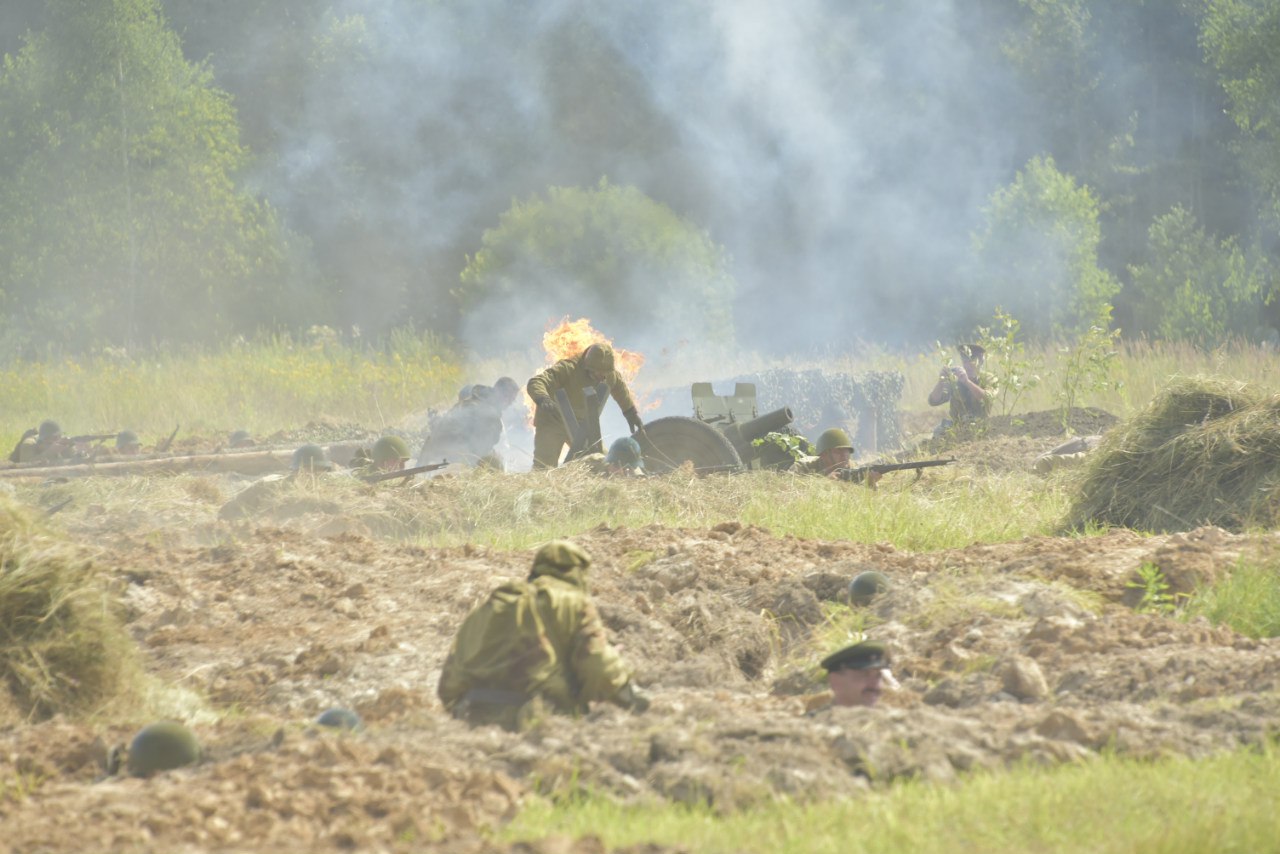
x,y
1098,690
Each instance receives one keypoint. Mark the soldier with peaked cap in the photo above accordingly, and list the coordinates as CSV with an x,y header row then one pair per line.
x,y
536,643
858,674
592,366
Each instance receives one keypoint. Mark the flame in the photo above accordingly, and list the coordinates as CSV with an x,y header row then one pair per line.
x,y
571,337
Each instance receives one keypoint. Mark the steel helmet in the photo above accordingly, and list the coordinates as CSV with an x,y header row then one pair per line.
x,y
832,439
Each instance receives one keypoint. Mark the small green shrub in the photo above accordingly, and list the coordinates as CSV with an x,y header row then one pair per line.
x,y
1248,600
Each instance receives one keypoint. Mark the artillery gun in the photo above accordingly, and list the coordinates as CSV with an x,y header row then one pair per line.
x,y
718,438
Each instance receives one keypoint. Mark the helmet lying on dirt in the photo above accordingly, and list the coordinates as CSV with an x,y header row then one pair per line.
x,y
339,718
389,448
310,458
161,747
240,439
866,586
832,439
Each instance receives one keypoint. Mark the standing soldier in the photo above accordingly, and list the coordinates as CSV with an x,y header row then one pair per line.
x,y
469,432
536,642
592,366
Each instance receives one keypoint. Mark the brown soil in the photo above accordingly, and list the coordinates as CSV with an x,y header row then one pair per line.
x,y
1025,651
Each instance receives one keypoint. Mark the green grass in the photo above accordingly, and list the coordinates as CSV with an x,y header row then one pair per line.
x,y
1223,804
261,386
1247,600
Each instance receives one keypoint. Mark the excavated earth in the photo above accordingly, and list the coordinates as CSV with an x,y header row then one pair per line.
x,y
1030,651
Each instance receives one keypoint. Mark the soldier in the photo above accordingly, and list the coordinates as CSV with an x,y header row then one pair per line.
x,y
835,451
308,459
858,674
592,366
625,459
388,454
240,439
969,389
469,431
866,586
127,443
532,643
43,443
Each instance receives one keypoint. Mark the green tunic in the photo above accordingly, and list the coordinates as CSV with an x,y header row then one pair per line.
x,y
550,435
963,408
541,639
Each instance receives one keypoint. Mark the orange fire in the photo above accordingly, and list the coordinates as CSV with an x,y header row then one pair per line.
x,y
571,337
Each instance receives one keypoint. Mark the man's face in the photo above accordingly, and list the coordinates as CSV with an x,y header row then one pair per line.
x,y
393,464
836,458
856,687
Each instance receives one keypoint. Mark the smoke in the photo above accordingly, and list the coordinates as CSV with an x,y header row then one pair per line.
x,y
840,152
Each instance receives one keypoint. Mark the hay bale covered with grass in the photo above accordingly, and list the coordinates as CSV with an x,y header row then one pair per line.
x,y
1206,451
63,648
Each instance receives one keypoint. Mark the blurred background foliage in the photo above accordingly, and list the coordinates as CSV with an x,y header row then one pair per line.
x,y
176,171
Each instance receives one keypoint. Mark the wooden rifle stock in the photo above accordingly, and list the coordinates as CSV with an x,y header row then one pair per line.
x,y
392,475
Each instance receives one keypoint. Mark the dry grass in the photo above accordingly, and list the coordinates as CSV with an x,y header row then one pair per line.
x,y
62,649
1206,451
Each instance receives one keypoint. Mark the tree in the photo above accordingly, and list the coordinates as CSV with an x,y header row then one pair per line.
x,y
120,219
1194,287
1241,39
1038,252
609,252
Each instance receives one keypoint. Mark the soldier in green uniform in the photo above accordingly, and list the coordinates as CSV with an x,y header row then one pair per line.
x,y
43,443
969,389
592,366
388,454
625,459
250,501
835,451
536,643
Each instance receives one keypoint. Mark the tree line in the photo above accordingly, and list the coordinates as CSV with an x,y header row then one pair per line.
x,y
175,171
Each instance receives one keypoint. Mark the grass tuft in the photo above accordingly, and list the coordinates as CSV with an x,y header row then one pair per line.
x,y
62,648
1247,600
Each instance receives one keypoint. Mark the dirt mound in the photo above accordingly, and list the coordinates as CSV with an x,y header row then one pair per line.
x,y
1205,452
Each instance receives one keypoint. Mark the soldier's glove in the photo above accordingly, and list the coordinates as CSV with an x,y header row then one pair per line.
x,y
633,420
546,407
633,699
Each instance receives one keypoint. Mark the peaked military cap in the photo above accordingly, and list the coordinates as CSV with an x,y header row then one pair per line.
x,y
868,655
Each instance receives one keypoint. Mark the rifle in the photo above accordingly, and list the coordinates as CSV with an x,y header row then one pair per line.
x,y
378,477
164,446
859,473
89,437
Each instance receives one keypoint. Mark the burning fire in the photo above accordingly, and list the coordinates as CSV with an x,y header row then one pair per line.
x,y
571,337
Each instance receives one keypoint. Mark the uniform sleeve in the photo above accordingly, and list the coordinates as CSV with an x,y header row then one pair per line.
x,y
622,394
545,383
598,668
453,686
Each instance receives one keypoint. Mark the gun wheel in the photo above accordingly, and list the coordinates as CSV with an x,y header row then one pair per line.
x,y
670,442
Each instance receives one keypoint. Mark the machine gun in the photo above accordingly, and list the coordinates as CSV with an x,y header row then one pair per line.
x,y
378,477
858,474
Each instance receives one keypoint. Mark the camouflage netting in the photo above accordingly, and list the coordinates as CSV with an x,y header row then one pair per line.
x,y
1206,451
866,404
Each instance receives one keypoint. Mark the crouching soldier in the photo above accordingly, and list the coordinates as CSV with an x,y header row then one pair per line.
x,y
538,642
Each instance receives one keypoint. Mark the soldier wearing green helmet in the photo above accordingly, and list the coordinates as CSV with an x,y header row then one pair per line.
x,y
388,454
536,643
592,366
866,586
625,459
306,462
835,452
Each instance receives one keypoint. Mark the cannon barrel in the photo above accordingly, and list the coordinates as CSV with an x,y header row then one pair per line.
x,y
742,435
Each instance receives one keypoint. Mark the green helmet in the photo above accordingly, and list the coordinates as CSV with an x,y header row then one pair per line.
x,y
339,718
832,439
560,558
162,746
625,452
240,439
866,587
389,448
310,458
127,439
48,429
598,358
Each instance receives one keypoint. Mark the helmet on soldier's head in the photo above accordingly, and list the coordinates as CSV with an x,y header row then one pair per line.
x,y
972,352
464,393
832,439
126,439
866,586
48,429
310,458
339,718
161,747
389,448
598,358
506,390
561,558
240,439
625,452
